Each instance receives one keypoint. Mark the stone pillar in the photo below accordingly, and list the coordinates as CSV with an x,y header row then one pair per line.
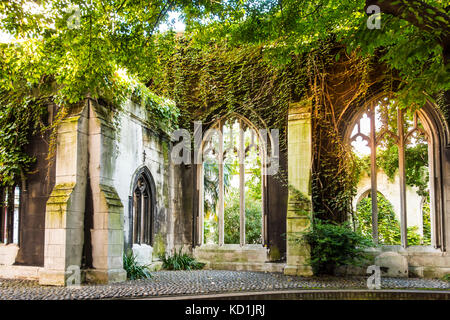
x,y
299,179
107,235
64,217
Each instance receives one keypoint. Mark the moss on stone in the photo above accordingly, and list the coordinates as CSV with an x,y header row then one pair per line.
x,y
299,202
159,247
274,253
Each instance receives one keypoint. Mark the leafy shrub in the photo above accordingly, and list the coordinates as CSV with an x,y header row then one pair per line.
x,y
180,261
232,217
133,268
426,222
388,224
333,245
446,277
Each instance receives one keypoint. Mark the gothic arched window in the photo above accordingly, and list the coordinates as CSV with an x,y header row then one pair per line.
x,y
142,213
393,145
9,214
231,179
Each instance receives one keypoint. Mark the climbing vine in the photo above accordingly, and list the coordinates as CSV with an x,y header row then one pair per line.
x,y
338,81
25,105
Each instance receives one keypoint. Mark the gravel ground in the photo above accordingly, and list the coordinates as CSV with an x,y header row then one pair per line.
x,y
164,283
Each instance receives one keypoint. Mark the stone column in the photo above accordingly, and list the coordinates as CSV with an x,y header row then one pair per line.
x,y
107,234
64,217
299,179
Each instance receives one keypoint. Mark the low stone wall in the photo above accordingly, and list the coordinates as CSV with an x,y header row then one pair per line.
x,y
237,258
8,253
423,262
19,272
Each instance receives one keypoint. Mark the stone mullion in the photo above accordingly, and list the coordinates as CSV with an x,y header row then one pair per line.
x,y
221,188
402,177
262,156
137,218
431,183
147,219
373,174
142,220
242,184
200,174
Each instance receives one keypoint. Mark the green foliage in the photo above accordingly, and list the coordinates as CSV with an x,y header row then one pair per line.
x,y
446,277
251,57
108,55
416,165
19,118
133,268
388,224
207,83
180,261
211,184
334,245
289,28
426,222
252,218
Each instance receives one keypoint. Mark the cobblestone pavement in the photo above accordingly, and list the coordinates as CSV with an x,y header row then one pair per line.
x,y
166,283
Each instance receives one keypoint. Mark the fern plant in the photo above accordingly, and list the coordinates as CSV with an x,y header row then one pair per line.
x,y
133,268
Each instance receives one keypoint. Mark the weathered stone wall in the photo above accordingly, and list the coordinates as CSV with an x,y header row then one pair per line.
x,y
137,145
64,216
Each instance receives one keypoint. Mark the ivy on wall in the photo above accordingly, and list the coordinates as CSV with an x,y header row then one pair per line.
x,y
24,111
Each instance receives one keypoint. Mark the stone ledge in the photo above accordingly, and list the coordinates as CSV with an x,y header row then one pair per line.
x,y
297,270
232,253
246,266
8,253
19,272
98,276
50,277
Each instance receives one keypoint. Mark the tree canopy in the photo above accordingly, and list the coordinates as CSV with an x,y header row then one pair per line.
x,y
66,50
81,44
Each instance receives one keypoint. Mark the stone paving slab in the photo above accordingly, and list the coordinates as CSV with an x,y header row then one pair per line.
x,y
201,282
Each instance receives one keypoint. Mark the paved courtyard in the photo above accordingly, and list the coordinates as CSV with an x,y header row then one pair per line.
x,y
176,283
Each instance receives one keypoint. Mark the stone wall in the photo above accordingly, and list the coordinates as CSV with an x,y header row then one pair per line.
x,y
136,145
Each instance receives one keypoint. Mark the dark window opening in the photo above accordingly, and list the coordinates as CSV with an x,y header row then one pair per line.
x,y
9,214
142,211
